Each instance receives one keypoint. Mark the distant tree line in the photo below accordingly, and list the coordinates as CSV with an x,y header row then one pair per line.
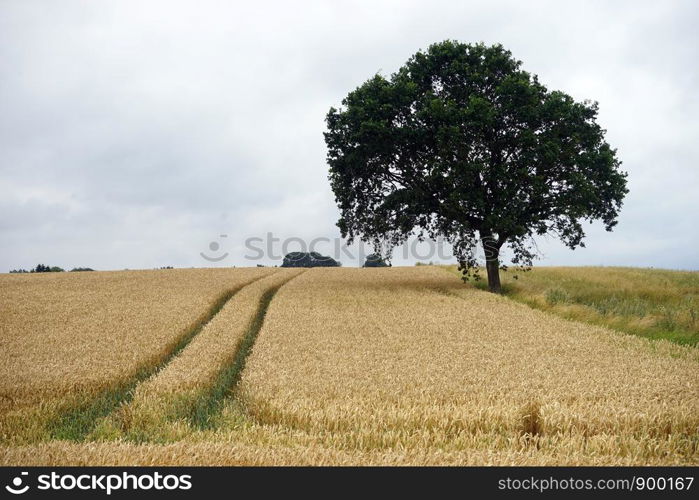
x,y
41,268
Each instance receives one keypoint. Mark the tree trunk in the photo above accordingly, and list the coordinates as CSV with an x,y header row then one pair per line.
x,y
492,264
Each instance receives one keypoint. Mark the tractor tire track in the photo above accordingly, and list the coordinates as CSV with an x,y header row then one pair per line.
x,y
78,419
205,412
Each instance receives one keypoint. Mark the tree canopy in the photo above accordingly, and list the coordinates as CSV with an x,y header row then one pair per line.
x,y
375,260
308,259
462,143
41,268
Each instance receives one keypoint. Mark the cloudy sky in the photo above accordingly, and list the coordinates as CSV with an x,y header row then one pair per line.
x,y
136,134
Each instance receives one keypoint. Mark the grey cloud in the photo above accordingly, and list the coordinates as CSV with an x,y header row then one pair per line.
x,y
134,133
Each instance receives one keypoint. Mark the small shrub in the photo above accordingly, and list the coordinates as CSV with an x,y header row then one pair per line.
x,y
557,296
40,268
308,259
375,260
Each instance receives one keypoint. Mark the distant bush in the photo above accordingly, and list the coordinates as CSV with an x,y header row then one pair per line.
x,y
375,260
167,267
18,271
557,296
81,269
309,259
430,263
40,268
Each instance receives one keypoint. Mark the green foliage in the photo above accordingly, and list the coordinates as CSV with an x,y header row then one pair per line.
x,y
375,260
81,269
462,143
557,296
309,259
41,268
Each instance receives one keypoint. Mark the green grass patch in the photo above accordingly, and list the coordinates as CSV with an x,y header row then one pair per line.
x,y
651,303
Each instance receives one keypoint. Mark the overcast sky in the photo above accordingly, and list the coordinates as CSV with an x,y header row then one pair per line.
x,y
135,134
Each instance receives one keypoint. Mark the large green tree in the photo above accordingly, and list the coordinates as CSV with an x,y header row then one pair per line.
x,y
464,144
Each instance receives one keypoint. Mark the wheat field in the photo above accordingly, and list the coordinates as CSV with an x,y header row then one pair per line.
x,y
188,384
66,338
338,366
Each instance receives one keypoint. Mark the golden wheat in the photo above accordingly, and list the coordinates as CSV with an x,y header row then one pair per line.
x,y
299,450
67,333
389,366
390,354
172,392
